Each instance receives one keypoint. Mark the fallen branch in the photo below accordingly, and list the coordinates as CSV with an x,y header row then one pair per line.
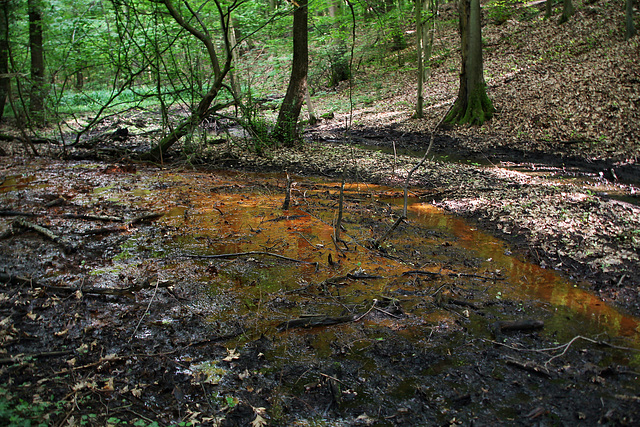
x,y
20,358
363,276
530,367
475,276
382,238
287,197
340,208
103,230
145,217
454,274
517,325
89,217
463,303
128,291
286,218
16,213
422,273
313,321
250,253
15,280
66,245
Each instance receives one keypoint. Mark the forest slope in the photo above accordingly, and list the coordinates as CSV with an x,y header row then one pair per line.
x,y
571,89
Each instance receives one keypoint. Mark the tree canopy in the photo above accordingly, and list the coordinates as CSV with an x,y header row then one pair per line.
x,y
72,63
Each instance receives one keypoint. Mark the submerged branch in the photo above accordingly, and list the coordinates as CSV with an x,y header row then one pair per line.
x,y
250,253
313,321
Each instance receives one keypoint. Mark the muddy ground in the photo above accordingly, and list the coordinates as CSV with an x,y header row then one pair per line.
x,y
140,345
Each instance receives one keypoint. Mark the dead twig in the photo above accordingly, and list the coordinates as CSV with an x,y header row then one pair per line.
x,y
375,301
530,367
424,158
146,311
340,208
287,196
565,347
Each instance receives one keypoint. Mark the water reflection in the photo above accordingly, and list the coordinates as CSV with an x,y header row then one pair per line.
x,y
570,303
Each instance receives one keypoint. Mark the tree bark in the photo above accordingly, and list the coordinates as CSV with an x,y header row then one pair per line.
x,y
547,9
37,94
4,55
472,106
630,26
567,11
285,129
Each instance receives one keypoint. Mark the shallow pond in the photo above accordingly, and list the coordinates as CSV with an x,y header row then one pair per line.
x,y
426,304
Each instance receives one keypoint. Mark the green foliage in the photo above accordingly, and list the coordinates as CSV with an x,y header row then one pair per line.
x,y
258,127
17,412
500,11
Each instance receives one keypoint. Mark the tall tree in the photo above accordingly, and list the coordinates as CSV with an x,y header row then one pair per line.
x,y
424,43
286,125
37,94
420,52
4,55
630,27
472,106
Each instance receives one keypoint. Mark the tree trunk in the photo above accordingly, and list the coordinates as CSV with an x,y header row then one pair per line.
x,y
567,11
420,53
630,27
204,106
472,106
547,9
36,103
4,55
334,8
285,129
79,80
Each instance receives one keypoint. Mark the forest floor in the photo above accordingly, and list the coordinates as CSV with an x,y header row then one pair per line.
x,y
556,176
110,316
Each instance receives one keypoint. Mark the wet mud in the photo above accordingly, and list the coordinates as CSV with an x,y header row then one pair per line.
x,y
174,296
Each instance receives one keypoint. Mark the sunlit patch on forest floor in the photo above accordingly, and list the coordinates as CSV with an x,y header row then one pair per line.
x,y
166,295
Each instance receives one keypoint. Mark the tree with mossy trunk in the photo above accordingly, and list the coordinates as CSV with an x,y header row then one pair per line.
x,y
472,106
285,130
